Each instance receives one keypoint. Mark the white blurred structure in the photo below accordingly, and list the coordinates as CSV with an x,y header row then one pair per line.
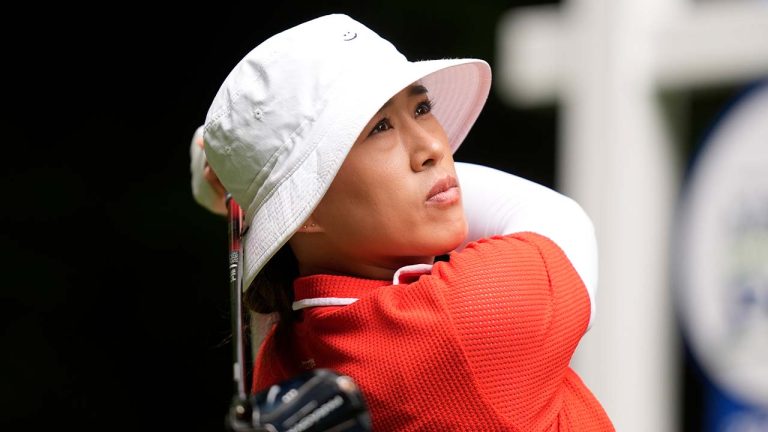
x,y
604,62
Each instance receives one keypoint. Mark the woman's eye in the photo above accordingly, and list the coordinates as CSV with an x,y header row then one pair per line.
x,y
424,107
381,127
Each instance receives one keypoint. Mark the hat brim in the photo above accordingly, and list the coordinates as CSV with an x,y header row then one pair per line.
x,y
459,88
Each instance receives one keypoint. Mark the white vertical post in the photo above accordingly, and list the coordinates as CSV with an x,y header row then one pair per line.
x,y
615,159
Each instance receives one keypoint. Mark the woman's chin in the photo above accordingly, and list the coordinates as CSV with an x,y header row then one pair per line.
x,y
448,241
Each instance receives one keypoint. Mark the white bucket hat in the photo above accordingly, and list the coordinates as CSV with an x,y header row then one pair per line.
x,y
285,118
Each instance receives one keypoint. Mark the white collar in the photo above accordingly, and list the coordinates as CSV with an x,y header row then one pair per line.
x,y
410,273
406,274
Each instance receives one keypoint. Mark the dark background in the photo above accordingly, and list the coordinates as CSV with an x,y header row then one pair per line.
x,y
114,305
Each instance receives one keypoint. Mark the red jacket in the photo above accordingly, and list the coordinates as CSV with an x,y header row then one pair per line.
x,y
483,343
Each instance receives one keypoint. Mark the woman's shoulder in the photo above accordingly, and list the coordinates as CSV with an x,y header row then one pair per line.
x,y
502,264
518,243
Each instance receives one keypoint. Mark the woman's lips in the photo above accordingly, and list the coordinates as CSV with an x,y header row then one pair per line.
x,y
444,192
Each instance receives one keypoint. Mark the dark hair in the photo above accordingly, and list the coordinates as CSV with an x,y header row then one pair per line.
x,y
272,292
272,289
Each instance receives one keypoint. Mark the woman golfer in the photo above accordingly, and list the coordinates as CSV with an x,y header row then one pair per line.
x,y
339,151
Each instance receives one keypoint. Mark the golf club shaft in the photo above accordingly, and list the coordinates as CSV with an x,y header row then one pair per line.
x,y
235,219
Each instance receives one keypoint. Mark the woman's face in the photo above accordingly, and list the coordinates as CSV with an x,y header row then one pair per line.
x,y
395,201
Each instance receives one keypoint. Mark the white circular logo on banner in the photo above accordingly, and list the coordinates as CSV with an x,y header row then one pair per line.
x,y
721,252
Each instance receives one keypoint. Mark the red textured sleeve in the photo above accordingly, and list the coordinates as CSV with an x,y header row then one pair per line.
x,y
519,309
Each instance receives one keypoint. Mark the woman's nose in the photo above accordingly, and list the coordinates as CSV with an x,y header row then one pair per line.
x,y
425,146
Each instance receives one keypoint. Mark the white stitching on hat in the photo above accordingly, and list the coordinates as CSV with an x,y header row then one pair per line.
x,y
227,109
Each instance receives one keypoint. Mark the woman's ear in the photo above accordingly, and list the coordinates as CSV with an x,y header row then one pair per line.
x,y
310,226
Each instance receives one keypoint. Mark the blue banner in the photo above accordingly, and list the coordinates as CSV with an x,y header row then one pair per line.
x,y
720,265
